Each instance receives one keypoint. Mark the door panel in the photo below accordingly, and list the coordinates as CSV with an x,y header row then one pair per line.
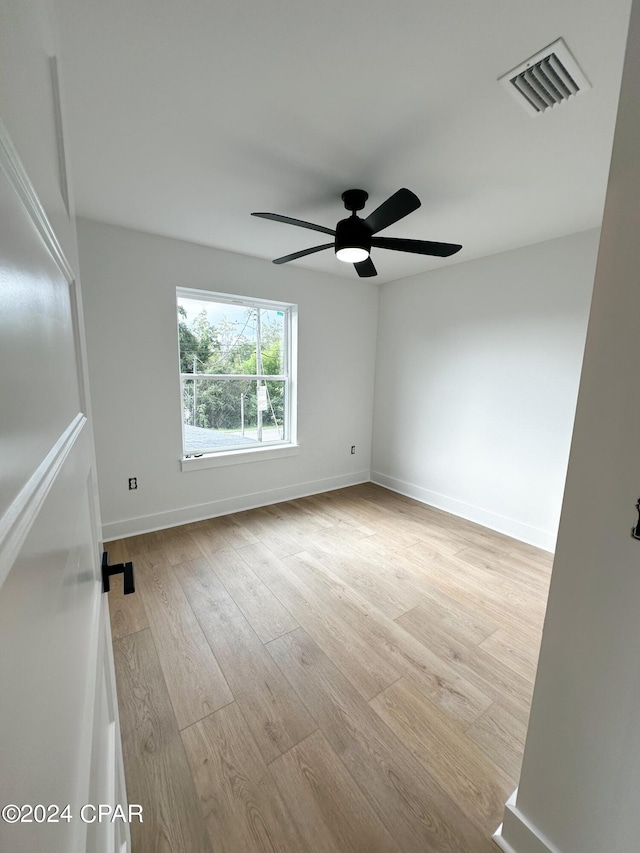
x,y
59,733
48,627
38,376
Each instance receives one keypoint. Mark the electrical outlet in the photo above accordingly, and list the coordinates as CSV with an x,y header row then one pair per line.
x,y
353,449
133,483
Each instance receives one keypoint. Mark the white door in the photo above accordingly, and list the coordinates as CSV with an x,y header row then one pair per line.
x,y
59,733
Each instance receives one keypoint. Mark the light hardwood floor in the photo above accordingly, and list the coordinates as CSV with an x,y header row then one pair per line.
x,y
346,672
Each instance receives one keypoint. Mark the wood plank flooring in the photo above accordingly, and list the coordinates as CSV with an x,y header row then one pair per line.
x,y
349,672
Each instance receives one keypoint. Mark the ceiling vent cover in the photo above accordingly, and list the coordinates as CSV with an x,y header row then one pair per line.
x,y
546,79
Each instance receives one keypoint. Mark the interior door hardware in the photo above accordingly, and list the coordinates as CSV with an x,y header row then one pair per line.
x,y
125,569
635,531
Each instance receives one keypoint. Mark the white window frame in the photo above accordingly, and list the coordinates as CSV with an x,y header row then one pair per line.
x,y
288,446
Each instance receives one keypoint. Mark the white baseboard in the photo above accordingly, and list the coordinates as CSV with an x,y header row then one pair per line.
x,y
502,844
518,835
509,526
185,515
497,835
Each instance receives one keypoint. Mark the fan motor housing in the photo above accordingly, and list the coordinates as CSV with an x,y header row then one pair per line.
x,y
353,232
354,199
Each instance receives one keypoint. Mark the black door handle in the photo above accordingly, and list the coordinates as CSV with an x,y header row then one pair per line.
x,y
125,569
635,531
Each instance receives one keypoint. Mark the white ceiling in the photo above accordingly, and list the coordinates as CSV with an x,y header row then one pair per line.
x,y
186,116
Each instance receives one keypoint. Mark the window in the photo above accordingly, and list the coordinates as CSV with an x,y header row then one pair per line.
x,y
236,373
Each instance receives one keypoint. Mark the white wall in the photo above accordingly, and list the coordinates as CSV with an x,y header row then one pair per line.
x,y
580,782
476,382
129,281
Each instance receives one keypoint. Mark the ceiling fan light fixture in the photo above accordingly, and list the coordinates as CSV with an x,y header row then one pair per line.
x,y
353,240
352,254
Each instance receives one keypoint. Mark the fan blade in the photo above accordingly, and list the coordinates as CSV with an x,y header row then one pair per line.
x,y
366,269
418,247
289,221
286,258
396,207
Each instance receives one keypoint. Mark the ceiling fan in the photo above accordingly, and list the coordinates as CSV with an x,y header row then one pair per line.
x,y
355,237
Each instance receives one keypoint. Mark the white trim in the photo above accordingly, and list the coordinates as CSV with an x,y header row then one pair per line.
x,y
521,835
185,515
250,376
20,515
119,790
230,299
499,840
236,457
11,164
497,835
75,300
59,124
509,526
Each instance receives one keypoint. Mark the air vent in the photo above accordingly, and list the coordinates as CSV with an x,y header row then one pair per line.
x,y
546,79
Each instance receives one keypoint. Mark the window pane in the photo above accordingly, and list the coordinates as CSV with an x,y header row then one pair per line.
x,y
273,418
272,331
235,345
224,413
216,337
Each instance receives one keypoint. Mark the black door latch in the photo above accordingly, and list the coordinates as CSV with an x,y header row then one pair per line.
x,y
125,569
635,531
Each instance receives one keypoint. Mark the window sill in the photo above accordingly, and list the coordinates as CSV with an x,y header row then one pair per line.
x,y
237,457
